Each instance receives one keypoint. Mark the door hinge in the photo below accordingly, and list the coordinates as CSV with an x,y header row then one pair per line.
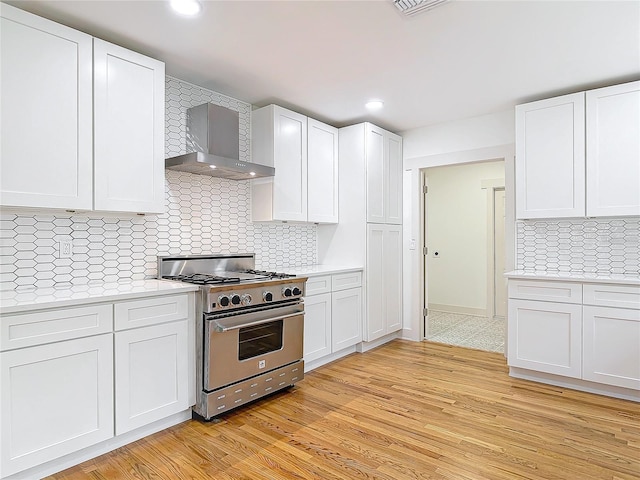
x,y
425,312
425,250
425,189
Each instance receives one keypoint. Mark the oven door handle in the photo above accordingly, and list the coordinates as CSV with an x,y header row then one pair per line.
x,y
219,327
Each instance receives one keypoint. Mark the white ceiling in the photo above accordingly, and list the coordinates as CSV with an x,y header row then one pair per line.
x,y
326,58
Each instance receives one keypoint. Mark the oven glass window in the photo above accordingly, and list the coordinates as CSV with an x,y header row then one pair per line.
x,y
260,339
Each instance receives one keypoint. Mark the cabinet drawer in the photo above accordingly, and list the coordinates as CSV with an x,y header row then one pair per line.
x,y
343,281
626,296
545,291
151,311
29,329
318,285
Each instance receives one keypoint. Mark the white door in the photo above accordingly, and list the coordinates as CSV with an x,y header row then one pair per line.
x,y
322,170
46,147
317,326
129,130
151,374
613,150
290,162
550,160
56,399
499,250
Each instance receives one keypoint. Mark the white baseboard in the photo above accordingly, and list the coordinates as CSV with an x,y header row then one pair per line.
x,y
72,459
366,346
308,366
478,312
575,384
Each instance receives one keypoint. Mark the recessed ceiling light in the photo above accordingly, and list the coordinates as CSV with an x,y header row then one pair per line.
x,y
253,174
212,166
188,8
374,104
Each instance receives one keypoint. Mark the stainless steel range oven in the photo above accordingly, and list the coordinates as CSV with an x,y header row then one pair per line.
x,y
250,328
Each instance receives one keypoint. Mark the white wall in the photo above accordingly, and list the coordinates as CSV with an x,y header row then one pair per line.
x,y
466,134
456,216
488,137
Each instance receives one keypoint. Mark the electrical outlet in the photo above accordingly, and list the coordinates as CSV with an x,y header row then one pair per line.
x,y
66,248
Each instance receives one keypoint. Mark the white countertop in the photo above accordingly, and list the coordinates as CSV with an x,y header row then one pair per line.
x,y
318,269
16,301
574,277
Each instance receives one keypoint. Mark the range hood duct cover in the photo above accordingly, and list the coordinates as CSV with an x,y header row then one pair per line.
x,y
213,138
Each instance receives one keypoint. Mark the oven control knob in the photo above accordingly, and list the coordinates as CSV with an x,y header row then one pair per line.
x,y
245,299
286,292
267,296
297,291
235,299
223,300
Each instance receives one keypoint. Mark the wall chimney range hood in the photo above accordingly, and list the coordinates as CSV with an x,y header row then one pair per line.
x,y
213,137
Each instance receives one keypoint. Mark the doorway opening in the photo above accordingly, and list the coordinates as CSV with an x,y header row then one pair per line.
x,y
464,255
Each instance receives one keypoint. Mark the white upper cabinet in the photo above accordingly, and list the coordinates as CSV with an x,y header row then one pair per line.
x,y
129,130
384,176
304,153
279,139
550,164
579,155
613,150
82,120
322,172
46,113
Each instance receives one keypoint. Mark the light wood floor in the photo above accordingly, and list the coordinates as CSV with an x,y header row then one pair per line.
x,y
403,411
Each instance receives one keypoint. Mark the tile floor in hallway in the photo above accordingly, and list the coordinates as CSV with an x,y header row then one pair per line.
x,y
469,331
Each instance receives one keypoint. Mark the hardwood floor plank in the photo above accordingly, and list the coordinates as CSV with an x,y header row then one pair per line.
x,y
405,410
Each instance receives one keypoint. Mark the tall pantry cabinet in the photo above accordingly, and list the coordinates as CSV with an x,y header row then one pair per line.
x,y
370,230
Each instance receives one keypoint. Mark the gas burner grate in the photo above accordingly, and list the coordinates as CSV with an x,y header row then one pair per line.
x,y
202,279
265,273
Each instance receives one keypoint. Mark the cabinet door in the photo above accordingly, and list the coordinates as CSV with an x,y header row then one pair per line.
x,y
152,374
611,346
129,130
290,162
393,205
346,318
377,165
322,184
56,399
546,337
46,113
375,284
550,158
317,326
392,257
613,150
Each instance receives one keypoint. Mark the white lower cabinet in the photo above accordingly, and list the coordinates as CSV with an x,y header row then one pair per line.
x,y
346,318
611,346
332,316
62,368
317,326
546,337
56,399
151,374
593,335
384,280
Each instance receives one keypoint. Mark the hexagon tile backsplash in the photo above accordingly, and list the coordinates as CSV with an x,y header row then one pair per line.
x,y
204,215
603,246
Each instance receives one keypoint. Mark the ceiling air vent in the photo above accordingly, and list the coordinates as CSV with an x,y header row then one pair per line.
x,y
411,7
